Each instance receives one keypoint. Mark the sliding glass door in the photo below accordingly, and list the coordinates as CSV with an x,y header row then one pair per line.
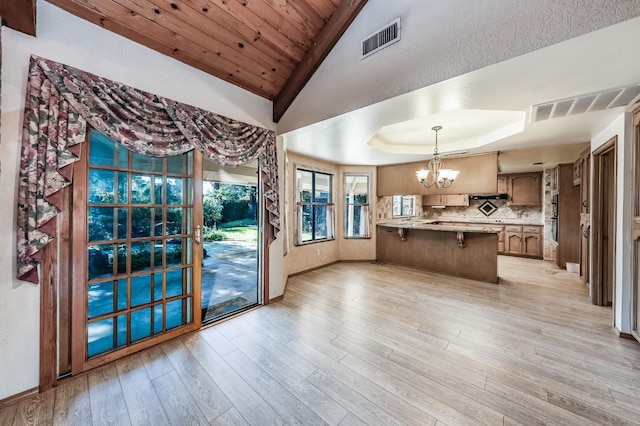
x,y
230,264
154,258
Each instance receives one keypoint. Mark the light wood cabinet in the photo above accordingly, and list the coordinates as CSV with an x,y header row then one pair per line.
x,y
585,172
531,244
585,220
445,200
477,176
523,241
393,182
502,184
501,242
524,189
577,172
513,240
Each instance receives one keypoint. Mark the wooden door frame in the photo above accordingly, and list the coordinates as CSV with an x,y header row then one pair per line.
x,y
57,266
596,282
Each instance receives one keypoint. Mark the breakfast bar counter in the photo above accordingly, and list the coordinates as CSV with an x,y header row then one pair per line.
x,y
467,251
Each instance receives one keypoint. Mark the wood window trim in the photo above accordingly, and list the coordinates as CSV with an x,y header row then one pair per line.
x,y
55,355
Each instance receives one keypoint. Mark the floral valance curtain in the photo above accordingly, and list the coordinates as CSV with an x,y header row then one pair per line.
x,y
61,100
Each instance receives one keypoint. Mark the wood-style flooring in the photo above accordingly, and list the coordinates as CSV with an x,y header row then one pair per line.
x,y
362,343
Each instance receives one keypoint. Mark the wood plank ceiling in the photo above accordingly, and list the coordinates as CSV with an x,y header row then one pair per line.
x,y
269,47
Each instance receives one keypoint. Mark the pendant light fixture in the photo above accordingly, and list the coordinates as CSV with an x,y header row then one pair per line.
x,y
435,174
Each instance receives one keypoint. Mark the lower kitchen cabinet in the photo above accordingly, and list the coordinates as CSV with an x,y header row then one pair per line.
x,y
523,241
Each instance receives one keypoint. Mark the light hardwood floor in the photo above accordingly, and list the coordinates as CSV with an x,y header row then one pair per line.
x,y
361,343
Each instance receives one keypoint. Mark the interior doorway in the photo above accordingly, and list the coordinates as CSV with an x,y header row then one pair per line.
x,y
604,224
231,241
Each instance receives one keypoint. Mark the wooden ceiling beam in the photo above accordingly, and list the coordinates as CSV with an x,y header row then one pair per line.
x,y
19,15
328,37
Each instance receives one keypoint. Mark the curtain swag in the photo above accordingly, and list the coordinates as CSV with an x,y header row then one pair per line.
x,y
61,100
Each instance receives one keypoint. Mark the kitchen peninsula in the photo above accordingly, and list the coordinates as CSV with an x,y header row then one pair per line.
x,y
467,251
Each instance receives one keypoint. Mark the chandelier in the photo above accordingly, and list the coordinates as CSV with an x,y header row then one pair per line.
x,y
435,174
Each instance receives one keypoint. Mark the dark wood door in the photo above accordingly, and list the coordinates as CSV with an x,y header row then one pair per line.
x,y
604,223
608,228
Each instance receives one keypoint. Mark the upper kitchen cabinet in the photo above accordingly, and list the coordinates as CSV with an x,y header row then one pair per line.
x,y
478,175
524,189
446,200
502,184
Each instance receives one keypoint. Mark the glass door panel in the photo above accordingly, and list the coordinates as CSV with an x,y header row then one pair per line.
x,y
230,264
140,263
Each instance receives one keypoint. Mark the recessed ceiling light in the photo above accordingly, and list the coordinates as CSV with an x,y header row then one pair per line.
x,y
537,163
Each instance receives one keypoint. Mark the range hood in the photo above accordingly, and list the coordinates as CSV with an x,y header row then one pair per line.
x,y
487,196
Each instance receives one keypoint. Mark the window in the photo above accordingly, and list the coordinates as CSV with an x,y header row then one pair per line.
x,y
356,218
314,206
403,205
139,232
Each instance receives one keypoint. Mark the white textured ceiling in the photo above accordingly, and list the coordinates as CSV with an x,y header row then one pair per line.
x,y
456,56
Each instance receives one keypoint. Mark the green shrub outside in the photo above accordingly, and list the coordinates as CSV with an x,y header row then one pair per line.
x,y
239,223
212,234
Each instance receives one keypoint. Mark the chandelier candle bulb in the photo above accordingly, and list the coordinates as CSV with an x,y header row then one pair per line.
x,y
435,174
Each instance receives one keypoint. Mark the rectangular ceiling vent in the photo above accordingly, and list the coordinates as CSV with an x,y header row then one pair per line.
x,y
599,101
381,39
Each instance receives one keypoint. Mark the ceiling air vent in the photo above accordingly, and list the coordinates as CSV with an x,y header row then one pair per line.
x,y
599,101
381,39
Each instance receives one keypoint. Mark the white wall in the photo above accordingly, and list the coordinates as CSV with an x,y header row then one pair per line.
x,y
621,127
64,38
308,256
442,39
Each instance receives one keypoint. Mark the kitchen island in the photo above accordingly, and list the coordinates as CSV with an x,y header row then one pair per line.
x,y
460,250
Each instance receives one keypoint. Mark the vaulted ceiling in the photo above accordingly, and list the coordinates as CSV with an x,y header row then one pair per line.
x,y
269,47
455,58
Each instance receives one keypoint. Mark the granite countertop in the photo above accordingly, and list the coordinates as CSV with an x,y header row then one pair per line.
x,y
436,225
492,221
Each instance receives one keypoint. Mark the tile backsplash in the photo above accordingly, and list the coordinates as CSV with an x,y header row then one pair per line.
x,y
504,213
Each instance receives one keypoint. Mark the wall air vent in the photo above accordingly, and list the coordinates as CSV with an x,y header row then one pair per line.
x,y
599,101
381,39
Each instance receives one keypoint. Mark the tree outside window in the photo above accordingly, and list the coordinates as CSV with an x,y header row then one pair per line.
x,y
314,206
